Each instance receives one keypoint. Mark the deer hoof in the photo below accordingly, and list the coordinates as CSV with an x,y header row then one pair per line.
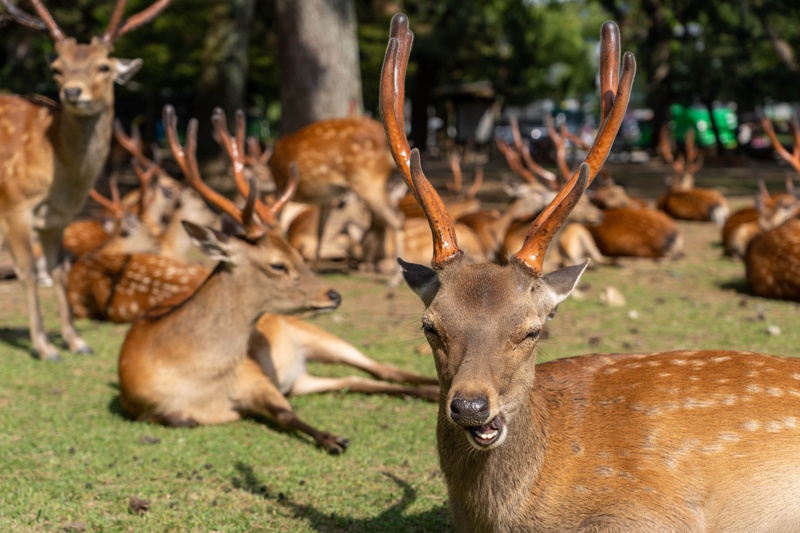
x,y
84,350
336,445
51,356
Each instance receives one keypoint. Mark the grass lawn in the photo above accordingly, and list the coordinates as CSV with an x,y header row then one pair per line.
x,y
69,458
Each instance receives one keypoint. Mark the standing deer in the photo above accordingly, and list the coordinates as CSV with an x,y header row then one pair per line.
x,y
675,441
53,154
683,200
187,362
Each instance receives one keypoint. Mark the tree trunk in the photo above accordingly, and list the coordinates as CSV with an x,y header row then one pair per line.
x,y
318,54
225,65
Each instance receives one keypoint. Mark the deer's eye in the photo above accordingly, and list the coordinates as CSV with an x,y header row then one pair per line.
x,y
533,334
104,68
279,267
57,72
428,328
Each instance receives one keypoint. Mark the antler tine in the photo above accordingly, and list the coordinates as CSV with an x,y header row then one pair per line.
x,y
113,33
793,158
112,205
145,175
514,161
113,23
253,154
549,221
45,22
392,94
187,160
609,66
445,246
535,169
794,129
234,146
476,183
515,135
665,145
580,143
270,215
691,151
133,143
455,167
561,154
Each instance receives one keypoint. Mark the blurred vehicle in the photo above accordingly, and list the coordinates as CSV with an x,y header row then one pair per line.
x,y
698,117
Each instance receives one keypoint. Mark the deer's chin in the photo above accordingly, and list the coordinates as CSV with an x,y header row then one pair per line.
x,y
488,436
86,108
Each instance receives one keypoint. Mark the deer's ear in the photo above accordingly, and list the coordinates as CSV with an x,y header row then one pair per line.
x,y
126,68
561,283
216,245
423,280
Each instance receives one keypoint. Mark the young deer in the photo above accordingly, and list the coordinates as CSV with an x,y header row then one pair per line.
x,y
683,201
676,441
53,154
187,363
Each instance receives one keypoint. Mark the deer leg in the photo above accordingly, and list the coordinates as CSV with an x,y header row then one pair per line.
x,y
18,239
306,384
384,214
324,213
51,246
255,393
319,345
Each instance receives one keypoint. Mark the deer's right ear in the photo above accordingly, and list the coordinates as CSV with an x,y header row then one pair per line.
x,y
216,245
422,280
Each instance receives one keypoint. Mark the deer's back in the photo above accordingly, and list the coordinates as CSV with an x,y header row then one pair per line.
x,y
635,233
26,154
694,204
772,262
332,156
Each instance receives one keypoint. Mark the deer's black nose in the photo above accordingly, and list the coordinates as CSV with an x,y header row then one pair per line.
x,y
469,412
71,94
335,297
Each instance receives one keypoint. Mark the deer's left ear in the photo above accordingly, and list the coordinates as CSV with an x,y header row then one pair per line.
x,y
126,68
561,283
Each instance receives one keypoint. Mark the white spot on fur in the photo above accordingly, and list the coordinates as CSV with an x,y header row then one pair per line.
x,y
754,389
772,391
752,425
720,359
773,426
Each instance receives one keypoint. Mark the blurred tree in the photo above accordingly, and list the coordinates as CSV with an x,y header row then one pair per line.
x,y
319,60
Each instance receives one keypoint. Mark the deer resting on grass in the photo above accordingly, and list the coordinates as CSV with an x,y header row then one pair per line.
x,y
683,441
52,154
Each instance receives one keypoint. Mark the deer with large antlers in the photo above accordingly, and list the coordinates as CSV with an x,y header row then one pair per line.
x,y
53,153
676,441
683,200
200,360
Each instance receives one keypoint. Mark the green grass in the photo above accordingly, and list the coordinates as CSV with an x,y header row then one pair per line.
x,y
68,454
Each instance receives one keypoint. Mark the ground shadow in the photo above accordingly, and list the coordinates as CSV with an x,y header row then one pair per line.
x,y
20,338
394,519
739,285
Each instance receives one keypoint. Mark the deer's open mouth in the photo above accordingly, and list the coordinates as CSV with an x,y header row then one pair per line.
x,y
487,434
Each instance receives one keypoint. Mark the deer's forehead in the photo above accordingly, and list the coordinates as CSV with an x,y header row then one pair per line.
x,y
486,292
82,54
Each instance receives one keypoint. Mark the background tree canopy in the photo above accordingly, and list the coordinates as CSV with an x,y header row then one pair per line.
x,y
201,53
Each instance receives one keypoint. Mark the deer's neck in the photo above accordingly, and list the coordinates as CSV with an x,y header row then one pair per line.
x,y
492,487
214,324
175,242
82,145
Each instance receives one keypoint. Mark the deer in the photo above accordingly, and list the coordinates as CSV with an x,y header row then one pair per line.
x,y
743,224
200,361
683,200
337,155
672,441
772,258
53,153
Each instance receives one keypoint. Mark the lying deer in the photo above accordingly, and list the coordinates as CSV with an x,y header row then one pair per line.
x,y
199,361
683,200
53,153
675,441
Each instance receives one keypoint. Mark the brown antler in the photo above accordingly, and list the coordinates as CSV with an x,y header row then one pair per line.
x,y
549,221
455,167
534,167
609,66
476,183
187,159
117,29
445,247
44,23
561,154
145,175
580,143
793,158
514,161
694,157
255,156
234,146
114,205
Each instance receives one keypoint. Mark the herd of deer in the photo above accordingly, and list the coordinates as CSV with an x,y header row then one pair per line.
x,y
674,441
